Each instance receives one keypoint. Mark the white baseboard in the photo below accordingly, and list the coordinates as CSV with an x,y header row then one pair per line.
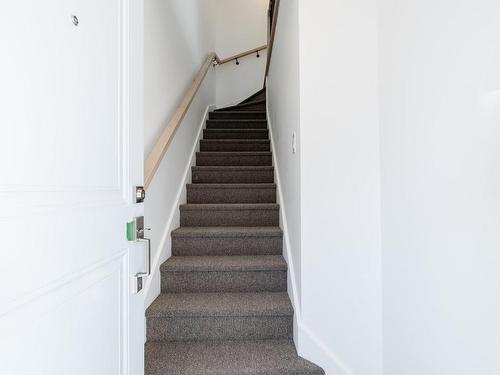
x,y
308,344
171,222
315,350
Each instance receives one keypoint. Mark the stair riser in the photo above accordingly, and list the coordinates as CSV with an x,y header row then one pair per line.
x,y
220,328
228,146
228,217
220,281
222,134
188,246
210,159
237,116
215,124
233,177
209,195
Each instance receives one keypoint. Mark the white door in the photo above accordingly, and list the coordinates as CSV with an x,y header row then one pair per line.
x,y
70,154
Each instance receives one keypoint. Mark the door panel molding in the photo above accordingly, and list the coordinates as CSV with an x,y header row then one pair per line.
x,y
71,300
65,286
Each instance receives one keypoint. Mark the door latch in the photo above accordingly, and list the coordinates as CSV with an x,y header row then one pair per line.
x,y
135,232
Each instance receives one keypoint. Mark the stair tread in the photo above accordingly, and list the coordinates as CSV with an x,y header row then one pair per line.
x,y
225,357
221,304
226,263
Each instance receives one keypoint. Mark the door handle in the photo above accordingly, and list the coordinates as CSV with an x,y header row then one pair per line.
x,y
148,263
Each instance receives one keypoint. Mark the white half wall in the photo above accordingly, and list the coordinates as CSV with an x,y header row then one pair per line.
x,y
240,25
340,185
440,137
179,35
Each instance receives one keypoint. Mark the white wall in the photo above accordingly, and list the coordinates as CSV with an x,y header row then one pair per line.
x,y
284,116
440,137
340,197
324,73
240,25
438,110
178,37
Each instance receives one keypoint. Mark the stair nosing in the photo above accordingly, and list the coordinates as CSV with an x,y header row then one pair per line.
x,y
251,130
228,206
240,140
221,167
235,153
264,185
280,264
236,120
226,232
242,112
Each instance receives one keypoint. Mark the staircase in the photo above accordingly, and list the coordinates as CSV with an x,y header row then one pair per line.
x,y
224,309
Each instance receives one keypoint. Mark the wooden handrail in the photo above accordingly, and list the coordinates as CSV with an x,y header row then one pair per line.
x,y
243,54
160,148
273,18
155,157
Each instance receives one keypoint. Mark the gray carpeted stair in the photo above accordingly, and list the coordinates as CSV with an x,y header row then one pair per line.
x,y
189,241
220,316
233,175
236,124
259,95
233,158
227,357
223,307
254,105
231,193
238,115
232,145
235,134
251,273
250,215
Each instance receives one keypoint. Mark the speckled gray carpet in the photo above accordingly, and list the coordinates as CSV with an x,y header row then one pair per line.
x,y
224,309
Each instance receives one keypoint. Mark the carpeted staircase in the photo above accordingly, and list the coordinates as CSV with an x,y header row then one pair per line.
x,y
224,309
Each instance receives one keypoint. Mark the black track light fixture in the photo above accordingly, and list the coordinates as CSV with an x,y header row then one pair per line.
x,y
237,62
258,55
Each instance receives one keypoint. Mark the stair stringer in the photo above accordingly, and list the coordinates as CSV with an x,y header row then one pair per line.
x,y
164,249
309,345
